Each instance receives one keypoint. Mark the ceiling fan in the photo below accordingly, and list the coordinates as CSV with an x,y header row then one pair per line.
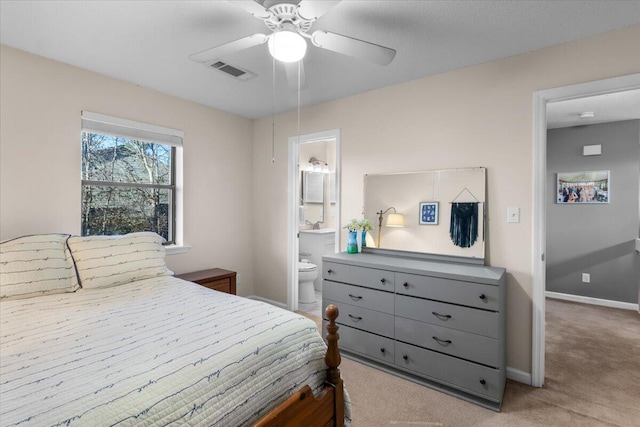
x,y
289,22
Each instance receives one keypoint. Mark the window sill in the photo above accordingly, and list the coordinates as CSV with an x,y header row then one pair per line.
x,y
177,249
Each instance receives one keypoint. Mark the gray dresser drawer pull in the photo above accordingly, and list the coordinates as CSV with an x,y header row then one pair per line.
x,y
441,316
382,350
444,342
406,284
329,271
405,357
483,296
483,382
355,318
382,280
355,297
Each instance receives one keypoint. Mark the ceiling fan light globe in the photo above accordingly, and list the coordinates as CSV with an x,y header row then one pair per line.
x,y
287,46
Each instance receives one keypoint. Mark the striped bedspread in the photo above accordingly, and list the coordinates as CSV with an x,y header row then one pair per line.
x,y
159,351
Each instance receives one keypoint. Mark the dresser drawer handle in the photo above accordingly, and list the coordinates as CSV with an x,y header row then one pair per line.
x,y
355,297
329,271
355,318
483,382
405,357
382,350
406,285
383,280
441,316
483,296
441,341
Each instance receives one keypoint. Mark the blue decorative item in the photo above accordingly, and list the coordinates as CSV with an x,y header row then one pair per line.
x,y
352,243
364,238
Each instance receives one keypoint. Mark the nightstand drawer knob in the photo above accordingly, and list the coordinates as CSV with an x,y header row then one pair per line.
x,y
406,285
483,382
382,350
483,296
329,271
405,357
382,280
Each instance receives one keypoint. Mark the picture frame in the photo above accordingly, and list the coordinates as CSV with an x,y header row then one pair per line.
x,y
428,213
589,187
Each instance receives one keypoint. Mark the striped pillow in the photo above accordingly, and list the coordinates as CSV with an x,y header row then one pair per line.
x,y
36,265
104,261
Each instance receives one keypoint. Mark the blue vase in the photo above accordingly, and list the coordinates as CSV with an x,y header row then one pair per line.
x,y
364,238
352,243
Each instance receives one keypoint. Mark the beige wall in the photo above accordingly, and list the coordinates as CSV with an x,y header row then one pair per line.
x,y
41,101
478,116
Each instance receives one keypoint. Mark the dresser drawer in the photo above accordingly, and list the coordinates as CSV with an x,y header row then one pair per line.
x,y
363,318
361,276
366,344
466,319
358,296
454,291
450,341
467,376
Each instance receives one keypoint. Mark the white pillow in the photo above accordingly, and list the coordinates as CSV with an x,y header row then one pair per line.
x,y
104,261
36,265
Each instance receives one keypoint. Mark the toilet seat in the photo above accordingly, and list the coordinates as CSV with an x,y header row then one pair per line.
x,y
306,267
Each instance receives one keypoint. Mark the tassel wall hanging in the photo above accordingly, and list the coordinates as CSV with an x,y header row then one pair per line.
x,y
464,224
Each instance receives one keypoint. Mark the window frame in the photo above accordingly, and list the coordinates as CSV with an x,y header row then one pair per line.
x,y
100,124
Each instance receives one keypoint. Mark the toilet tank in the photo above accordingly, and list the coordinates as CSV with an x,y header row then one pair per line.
x,y
317,243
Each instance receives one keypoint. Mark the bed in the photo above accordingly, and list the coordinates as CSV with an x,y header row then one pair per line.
x,y
156,350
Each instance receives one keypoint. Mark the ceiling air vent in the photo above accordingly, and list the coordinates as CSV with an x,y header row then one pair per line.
x,y
230,70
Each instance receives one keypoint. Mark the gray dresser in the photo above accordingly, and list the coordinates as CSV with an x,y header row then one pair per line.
x,y
436,323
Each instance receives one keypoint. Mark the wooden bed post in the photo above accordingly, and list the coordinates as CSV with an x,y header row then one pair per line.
x,y
332,359
302,408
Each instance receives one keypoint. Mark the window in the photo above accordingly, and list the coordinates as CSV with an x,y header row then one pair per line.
x,y
128,177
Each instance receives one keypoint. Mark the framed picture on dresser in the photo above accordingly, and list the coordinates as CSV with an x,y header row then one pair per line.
x,y
428,213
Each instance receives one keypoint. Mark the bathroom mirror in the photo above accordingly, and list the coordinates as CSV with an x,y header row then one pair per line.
x,y
313,190
424,202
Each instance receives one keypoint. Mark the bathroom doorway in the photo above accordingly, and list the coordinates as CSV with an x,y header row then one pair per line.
x,y
314,215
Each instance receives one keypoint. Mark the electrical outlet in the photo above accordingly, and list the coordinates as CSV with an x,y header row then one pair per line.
x,y
513,214
586,278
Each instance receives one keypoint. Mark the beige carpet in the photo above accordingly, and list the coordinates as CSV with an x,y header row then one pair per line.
x,y
592,379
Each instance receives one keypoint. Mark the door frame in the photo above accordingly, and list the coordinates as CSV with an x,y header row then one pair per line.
x,y
540,100
293,198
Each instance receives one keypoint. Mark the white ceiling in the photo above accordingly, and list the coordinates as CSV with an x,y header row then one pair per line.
x,y
148,42
610,107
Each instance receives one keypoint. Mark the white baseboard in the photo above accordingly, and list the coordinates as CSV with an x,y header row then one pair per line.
x,y
594,301
272,302
518,375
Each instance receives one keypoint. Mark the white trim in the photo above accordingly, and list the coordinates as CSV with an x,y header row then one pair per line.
x,y
177,249
293,200
540,99
268,301
518,375
593,301
103,118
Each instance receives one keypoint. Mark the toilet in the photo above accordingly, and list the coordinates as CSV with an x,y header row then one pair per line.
x,y
307,273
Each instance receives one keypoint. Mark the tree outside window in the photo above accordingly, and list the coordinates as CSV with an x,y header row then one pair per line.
x,y
128,185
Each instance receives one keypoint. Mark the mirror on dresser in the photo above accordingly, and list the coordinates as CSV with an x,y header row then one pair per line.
x,y
423,203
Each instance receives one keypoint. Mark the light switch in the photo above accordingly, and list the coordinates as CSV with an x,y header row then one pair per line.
x,y
513,214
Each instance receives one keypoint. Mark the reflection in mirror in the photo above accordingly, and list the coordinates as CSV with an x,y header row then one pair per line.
x,y
442,211
313,196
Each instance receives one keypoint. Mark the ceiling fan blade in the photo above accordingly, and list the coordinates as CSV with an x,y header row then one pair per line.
x,y
353,47
291,69
253,8
228,48
312,10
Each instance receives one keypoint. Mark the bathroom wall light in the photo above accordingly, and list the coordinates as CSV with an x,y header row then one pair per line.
x,y
318,165
393,220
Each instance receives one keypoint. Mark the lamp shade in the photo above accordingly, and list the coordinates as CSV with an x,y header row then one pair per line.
x,y
287,46
395,220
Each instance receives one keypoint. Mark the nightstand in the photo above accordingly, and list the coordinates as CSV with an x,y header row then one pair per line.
x,y
214,278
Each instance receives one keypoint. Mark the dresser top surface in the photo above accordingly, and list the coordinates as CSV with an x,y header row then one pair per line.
x,y
447,270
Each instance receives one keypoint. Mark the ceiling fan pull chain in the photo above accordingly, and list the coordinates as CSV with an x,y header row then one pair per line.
x,y
273,110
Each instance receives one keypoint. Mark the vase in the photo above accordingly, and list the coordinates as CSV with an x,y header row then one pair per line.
x,y
364,238
352,243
